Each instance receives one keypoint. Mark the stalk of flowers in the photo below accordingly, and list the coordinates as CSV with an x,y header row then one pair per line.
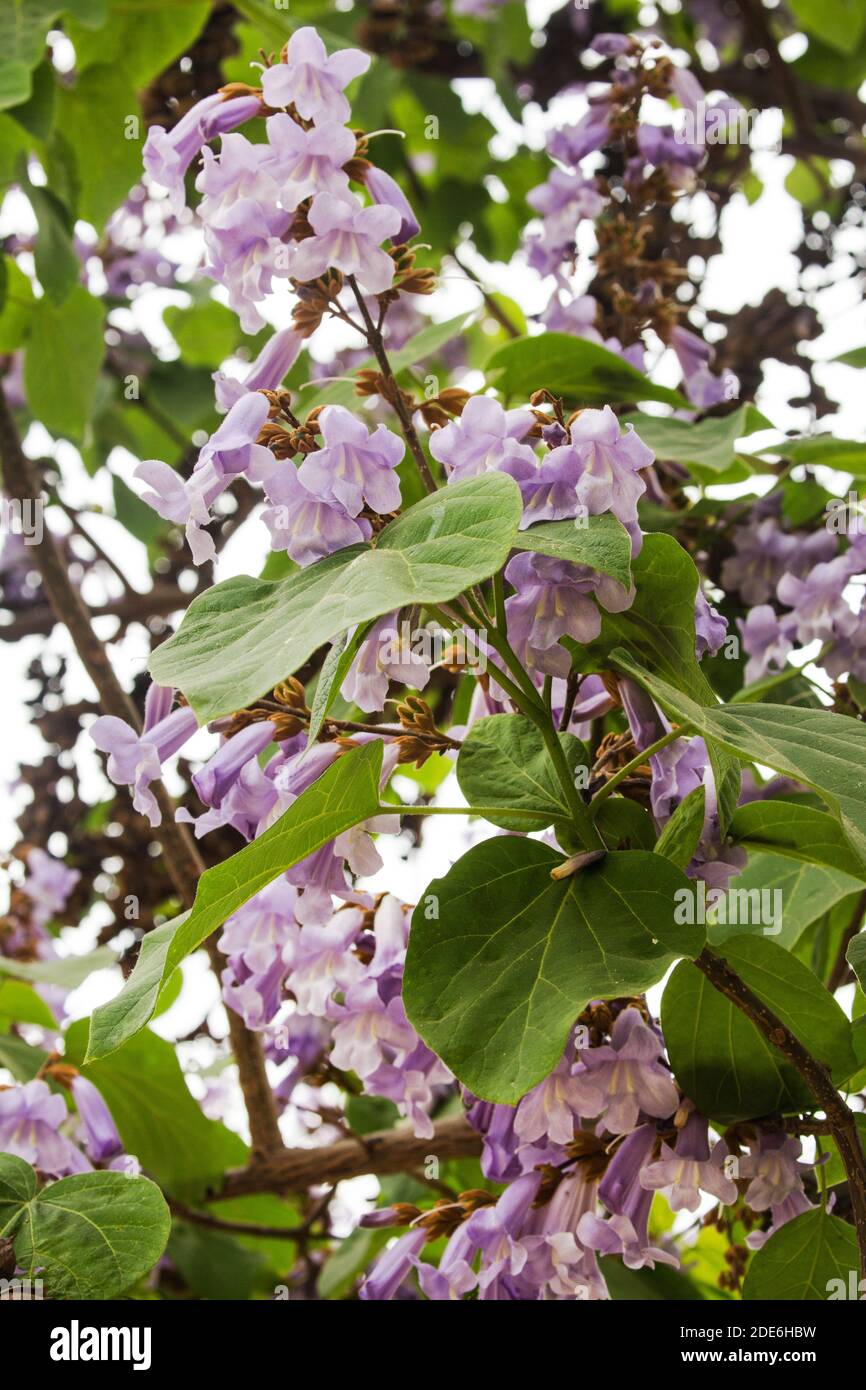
x,y
581,1158
636,292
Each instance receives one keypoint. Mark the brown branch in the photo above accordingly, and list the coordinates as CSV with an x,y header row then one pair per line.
x,y
387,1151
410,434
242,1228
158,602
183,861
841,1120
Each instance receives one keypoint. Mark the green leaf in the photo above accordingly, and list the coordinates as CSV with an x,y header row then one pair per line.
x,y
215,1265
840,23
21,1003
24,25
855,358
825,751
809,1260
720,1059
806,892
833,1171
502,958
857,957
845,455
89,1236
504,762
679,839
57,265
347,793
583,373
597,541
243,637
334,670
206,333
61,366
709,444
17,308
107,167
68,971
19,1058
157,1117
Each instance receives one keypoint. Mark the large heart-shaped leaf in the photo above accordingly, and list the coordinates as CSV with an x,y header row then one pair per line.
x,y
89,1236
241,638
346,794
812,1259
502,957
503,762
785,896
720,1059
825,751
583,373
707,444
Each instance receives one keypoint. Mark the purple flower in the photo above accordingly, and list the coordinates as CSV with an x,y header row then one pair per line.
x,y
763,553
354,465
484,437
773,1168
710,627
548,488
370,1032
383,656
310,80
30,1120
220,773
255,938
347,237
690,1169
244,223
386,191
231,451
136,759
551,1109
610,463
168,154
497,1232
309,161
766,640
320,960
619,1080
571,143
821,611
612,45
625,1232
266,373
102,1139
695,358
48,885
304,525
562,201
553,600
390,1270
454,1275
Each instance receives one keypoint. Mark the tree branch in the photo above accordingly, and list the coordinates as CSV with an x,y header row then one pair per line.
x,y
387,1151
183,861
840,1119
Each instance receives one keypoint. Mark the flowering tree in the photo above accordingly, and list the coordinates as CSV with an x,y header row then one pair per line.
x,y
541,566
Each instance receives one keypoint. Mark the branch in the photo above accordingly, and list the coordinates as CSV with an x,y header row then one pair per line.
x,y
387,1151
158,602
410,434
183,861
841,1120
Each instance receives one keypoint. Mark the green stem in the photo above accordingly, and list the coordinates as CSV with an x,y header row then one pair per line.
x,y
638,761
